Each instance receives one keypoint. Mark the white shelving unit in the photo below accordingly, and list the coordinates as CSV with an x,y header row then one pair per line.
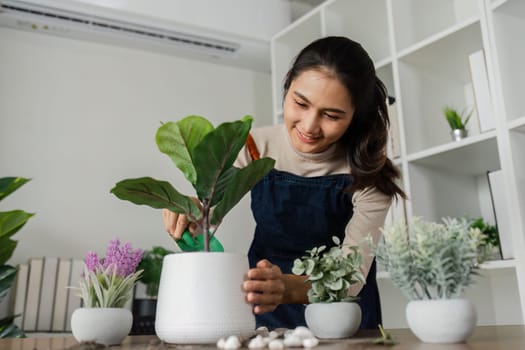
x,y
421,49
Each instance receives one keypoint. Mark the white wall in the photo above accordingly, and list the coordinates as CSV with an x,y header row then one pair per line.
x,y
76,117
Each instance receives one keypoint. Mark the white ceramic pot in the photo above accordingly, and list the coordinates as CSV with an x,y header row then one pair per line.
x,y
200,298
333,320
106,326
441,321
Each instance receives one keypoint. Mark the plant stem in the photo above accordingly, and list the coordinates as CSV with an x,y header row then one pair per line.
x,y
206,224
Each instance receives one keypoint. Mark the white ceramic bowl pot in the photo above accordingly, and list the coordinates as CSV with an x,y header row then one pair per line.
x,y
441,321
106,326
333,320
200,298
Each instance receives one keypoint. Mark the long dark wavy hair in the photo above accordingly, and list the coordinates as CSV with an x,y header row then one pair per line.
x,y
366,138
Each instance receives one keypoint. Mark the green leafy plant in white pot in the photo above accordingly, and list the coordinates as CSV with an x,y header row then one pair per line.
x,y
432,265
200,299
332,312
10,223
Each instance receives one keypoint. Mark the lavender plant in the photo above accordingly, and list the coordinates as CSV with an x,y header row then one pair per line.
x,y
108,282
331,272
434,261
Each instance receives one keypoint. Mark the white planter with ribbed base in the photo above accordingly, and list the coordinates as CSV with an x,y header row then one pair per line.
x,y
200,298
441,321
333,320
106,326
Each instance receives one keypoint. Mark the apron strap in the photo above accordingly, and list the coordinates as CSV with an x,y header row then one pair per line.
x,y
252,148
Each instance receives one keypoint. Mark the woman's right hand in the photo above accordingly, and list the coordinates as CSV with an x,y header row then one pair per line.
x,y
175,224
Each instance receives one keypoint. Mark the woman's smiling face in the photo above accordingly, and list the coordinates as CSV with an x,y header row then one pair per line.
x,y
317,110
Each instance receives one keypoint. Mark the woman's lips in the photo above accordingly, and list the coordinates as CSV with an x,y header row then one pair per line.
x,y
305,138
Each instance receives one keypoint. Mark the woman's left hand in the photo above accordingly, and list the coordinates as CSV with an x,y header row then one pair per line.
x,y
264,287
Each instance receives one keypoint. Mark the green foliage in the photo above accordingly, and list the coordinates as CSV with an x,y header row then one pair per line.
x,y
205,155
330,273
10,223
455,119
436,261
490,231
151,264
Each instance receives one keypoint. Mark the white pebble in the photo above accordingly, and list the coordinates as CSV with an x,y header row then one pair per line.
x,y
262,329
232,343
310,342
292,341
257,343
303,332
220,343
276,344
273,335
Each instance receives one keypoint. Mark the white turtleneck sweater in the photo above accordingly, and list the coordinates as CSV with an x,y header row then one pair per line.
x,y
370,205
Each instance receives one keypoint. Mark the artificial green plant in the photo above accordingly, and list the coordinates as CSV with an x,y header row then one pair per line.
x,y
456,120
151,264
205,155
330,272
434,260
10,223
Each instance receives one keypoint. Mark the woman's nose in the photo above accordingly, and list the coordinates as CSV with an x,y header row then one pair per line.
x,y
310,122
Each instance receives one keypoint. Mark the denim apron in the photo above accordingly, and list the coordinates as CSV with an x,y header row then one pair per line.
x,y
293,214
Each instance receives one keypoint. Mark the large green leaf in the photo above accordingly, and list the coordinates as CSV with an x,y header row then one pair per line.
x,y
177,140
9,330
10,184
7,277
222,183
156,194
240,184
12,221
7,247
216,153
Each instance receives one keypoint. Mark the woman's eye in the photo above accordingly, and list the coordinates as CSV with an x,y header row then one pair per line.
x,y
331,116
300,104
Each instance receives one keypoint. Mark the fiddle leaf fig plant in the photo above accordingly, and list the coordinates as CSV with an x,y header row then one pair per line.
x,y
330,272
205,155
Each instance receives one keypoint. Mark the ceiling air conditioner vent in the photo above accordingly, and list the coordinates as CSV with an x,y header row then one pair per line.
x,y
71,21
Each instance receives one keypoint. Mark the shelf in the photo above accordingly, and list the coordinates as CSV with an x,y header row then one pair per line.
x,y
435,76
509,26
287,44
490,265
417,20
354,18
448,34
472,156
498,264
517,124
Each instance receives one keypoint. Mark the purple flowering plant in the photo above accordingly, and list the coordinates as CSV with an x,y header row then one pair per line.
x,y
108,281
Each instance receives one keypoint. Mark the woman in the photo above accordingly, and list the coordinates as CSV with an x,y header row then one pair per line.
x,y
331,177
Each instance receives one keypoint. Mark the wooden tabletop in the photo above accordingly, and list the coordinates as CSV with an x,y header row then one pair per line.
x,y
484,338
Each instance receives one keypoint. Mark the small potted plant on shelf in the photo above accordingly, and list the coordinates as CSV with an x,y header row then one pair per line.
x,y
432,265
490,245
105,288
187,312
144,306
458,122
10,223
332,312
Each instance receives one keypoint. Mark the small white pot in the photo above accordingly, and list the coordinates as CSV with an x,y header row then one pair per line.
x,y
200,298
106,326
333,320
441,321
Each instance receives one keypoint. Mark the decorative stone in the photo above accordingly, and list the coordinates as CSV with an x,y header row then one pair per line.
x,y
276,344
232,343
310,342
